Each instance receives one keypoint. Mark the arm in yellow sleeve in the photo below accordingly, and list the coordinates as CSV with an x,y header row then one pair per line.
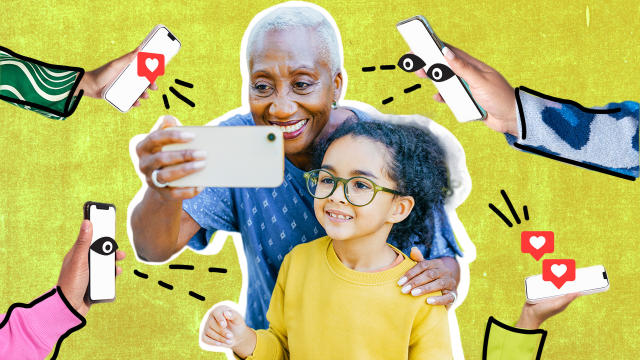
x,y
502,342
272,343
430,337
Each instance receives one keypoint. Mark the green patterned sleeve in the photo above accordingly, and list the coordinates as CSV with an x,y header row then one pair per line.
x,y
33,85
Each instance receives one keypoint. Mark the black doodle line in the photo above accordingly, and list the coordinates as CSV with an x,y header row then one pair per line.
x,y
369,68
165,285
181,97
387,100
83,322
382,67
184,83
390,67
492,320
196,295
181,267
217,270
68,111
140,274
412,88
166,101
525,209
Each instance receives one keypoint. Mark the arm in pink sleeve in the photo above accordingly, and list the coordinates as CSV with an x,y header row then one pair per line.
x,y
30,331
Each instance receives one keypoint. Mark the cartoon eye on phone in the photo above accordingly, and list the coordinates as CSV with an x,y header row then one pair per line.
x,y
427,53
102,252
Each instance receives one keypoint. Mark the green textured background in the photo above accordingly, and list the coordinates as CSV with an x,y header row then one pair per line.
x,y
50,168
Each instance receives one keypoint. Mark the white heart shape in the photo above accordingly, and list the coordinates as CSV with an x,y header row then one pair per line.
x,y
151,64
558,269
537,241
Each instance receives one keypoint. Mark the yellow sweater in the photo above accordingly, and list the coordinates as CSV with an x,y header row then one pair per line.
x,y
321,309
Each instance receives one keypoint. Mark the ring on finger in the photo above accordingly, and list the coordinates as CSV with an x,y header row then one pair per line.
x,y
154,179
455,296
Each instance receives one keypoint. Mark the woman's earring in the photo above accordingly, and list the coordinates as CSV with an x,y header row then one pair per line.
x,y
334,105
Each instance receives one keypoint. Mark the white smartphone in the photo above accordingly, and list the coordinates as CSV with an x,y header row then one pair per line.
x,y
237,156
127,87
102,252
424,43
589,280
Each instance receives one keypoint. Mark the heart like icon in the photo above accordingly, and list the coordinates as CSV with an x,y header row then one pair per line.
x,y
537,241
558,269
151,64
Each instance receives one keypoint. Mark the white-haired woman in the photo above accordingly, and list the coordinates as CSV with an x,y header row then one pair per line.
x,y
295,79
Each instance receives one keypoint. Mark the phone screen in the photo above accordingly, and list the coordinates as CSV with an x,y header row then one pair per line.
x,y
128,87
591,278
424,43
102,256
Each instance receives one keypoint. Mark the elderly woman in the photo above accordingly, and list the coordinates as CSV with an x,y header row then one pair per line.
x,y
295,80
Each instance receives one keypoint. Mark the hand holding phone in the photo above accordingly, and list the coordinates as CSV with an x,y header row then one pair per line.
x,y
127,87
589,280
102,252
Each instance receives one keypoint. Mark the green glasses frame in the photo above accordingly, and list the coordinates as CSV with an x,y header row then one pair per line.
x,y
376,188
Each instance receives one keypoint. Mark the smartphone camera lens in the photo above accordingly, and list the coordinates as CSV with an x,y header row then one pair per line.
x,y
271,137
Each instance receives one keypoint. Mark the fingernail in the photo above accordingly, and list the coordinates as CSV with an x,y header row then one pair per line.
x,y
84,226
187,135
200,188
198,164
402,281
405,290
199,154
229,335
229,342
448,54
430,301
223,323
227,314
416,292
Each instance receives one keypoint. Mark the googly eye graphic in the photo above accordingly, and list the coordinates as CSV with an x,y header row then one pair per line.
x,y
411,63
104,246
439,72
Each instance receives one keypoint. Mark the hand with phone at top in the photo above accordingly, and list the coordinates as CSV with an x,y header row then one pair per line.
x,y
74,274
533,315
169,165
94,82
488,87
225,327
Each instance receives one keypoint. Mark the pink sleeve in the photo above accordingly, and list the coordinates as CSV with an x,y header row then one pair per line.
x,y
30,331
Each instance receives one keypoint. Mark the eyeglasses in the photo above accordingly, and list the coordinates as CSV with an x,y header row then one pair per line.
x,y
358,190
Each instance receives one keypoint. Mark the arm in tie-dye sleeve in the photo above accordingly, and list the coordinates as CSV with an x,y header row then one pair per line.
x,y
37,86
603,139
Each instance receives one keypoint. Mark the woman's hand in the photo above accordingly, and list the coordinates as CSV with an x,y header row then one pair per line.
x,y
226,327
170,165
533,315
74,275
490,89
430,276
94,82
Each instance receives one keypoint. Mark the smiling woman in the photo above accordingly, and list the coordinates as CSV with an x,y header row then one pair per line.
x,y
294,79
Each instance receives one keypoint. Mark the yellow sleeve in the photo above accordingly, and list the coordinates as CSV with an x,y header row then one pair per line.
x,y
502,342
272,343
430,337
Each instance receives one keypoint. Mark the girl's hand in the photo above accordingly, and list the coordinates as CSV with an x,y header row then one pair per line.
x,y
226,327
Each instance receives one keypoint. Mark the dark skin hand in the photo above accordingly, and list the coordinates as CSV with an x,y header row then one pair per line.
x,y
533,315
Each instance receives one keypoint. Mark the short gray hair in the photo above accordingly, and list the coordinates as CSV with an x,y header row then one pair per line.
x,y
288,18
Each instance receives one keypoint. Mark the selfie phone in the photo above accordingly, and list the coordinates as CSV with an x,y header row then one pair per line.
x,y
102,252
237,156
589,280
424,43
127,87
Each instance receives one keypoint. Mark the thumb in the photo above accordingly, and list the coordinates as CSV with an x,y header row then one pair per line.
x,y
125,59
168,121
416,255
84,239
461,67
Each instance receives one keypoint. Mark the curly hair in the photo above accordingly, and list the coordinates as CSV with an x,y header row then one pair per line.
x,y
414,161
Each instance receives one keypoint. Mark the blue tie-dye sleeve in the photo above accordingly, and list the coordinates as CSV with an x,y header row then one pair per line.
x,y
603,139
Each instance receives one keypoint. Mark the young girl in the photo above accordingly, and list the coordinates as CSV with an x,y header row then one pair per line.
x,y
336,297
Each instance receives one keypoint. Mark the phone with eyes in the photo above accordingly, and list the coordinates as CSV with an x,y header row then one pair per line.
x,y
237,156
127,87
102,252
589,280
427,47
